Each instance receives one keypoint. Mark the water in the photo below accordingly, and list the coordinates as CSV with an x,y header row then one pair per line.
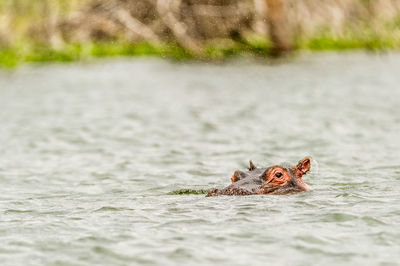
x,y
90,154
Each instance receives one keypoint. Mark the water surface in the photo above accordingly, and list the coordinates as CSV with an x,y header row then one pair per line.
x,y
90,153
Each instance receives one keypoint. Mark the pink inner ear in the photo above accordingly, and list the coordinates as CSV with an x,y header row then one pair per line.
x,y
304,165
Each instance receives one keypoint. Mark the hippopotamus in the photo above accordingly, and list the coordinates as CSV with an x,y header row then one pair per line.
x,y
277,180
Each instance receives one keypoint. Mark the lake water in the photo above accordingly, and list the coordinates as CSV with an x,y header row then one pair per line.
x,y
92,156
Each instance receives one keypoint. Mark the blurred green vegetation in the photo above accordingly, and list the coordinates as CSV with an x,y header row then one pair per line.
x,y
29,52
19,44
188,191
360,37
26,52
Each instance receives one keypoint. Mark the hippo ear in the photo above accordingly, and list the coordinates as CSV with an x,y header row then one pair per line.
x,y
237,175
304,165
252,166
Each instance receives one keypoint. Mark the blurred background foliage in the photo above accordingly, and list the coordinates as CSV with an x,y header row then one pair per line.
x,y
67,30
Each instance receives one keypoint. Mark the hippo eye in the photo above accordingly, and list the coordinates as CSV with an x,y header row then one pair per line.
x,y
278,175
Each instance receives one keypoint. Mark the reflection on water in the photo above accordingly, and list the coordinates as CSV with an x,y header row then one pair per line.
x,y
91,153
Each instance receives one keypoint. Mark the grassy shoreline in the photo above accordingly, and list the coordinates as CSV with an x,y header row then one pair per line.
x,y
26,51
21,52
35,53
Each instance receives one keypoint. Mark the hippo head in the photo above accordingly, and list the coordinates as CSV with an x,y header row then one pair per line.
x,y
277,179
